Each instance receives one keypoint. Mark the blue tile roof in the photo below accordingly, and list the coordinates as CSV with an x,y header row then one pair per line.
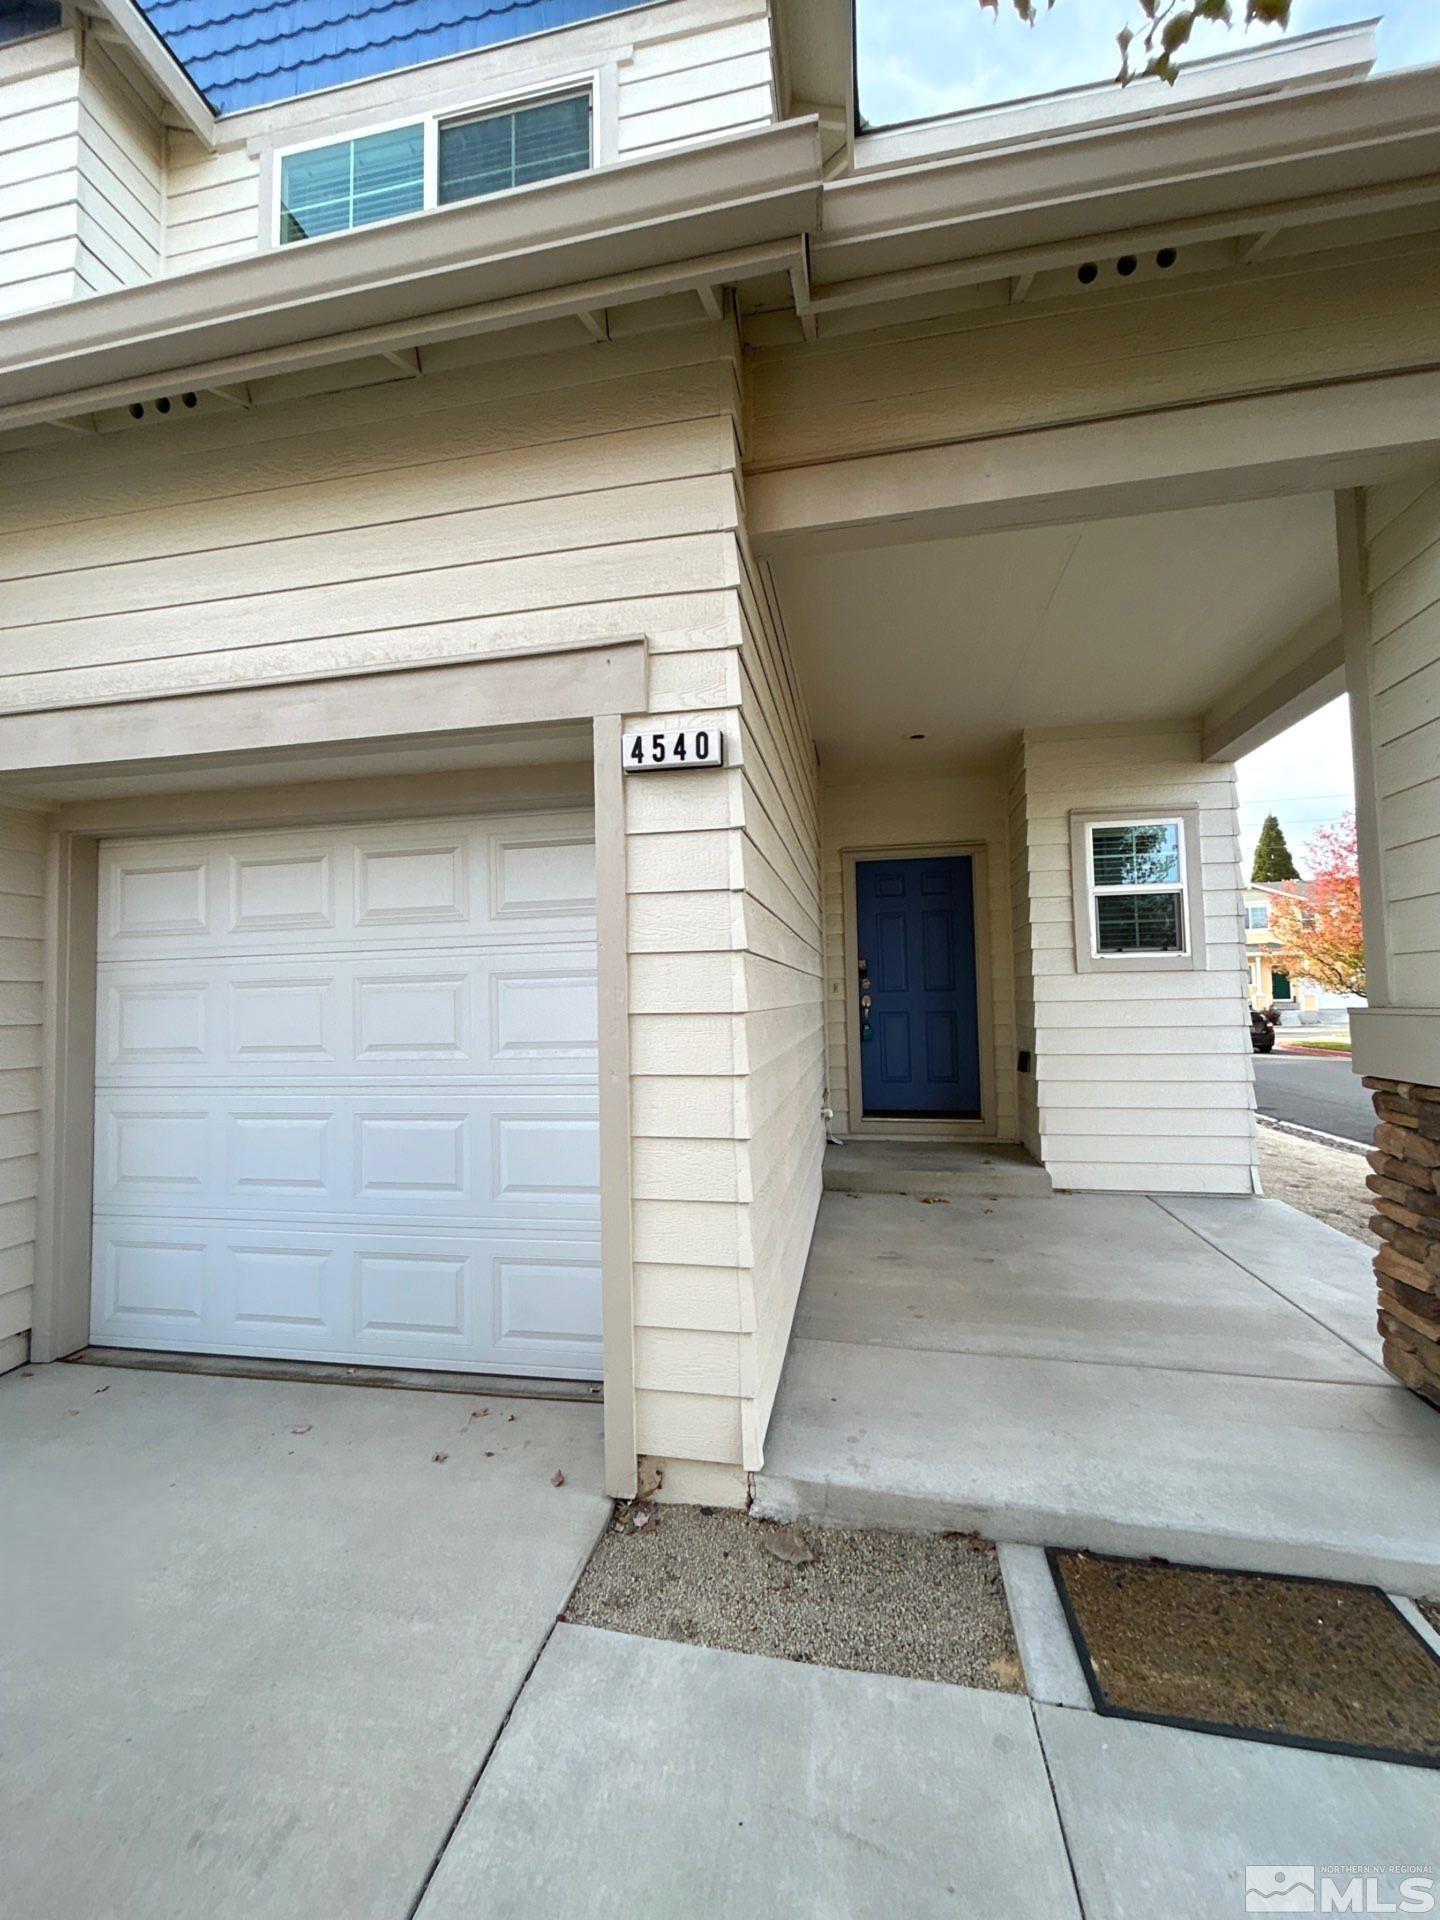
x,y
251,53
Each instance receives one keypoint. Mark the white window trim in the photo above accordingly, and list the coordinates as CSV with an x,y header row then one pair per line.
x,y
1088,958
572,86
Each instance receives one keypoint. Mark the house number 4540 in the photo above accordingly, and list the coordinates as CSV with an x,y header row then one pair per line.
x,y
670,748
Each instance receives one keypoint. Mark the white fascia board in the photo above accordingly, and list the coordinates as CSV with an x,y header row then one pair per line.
x,y
816,43
160,66
1298,677
1326,58
635,219
1224,158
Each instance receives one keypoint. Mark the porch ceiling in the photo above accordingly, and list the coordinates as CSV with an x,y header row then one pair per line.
x,y
967,640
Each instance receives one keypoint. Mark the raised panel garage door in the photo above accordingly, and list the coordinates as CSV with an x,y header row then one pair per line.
x,y
346,1096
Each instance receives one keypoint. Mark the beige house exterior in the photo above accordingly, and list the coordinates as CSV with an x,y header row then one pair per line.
x,y
987,486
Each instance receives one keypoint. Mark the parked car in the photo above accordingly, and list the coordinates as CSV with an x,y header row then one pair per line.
x,y
1263,1022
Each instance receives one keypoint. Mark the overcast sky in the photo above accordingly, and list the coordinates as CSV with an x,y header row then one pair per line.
x,y
1304,778
919,57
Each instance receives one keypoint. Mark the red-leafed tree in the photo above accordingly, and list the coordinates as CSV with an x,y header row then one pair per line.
x,y
1321,929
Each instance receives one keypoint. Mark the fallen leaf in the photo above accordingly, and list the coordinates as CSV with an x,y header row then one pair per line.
x,y
300,1429
509,1416
652,1479
932,1200
640,1518
557,1479
104,1389
480,1413
440,1458
70,1412
787,1545
489,1453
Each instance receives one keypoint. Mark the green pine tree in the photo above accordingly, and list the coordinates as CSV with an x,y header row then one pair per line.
x,y
1272,856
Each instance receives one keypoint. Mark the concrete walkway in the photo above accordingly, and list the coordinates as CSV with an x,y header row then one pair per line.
x,y
686,1781
256,1641
1198,1378
257,1644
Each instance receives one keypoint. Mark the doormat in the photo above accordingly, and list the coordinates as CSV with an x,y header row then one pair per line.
x,y
1257,1656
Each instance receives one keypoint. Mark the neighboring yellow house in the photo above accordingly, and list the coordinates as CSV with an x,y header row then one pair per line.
x,y
1273,980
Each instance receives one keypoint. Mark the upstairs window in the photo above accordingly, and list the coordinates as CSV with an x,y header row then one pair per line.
x,y
430,163
1257,918
490,152
331,189
20,18
1136,903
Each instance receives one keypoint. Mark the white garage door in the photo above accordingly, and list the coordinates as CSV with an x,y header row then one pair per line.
x,y
346,1096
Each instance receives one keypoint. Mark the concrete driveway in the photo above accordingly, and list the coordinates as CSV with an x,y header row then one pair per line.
x,y
256,1642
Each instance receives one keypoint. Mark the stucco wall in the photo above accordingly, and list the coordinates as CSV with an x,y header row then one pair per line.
x,y
1143,1080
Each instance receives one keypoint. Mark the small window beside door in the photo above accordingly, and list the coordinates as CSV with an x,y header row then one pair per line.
x,y
1137,905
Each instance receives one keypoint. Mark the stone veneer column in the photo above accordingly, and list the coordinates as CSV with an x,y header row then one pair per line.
x,y
1406,1185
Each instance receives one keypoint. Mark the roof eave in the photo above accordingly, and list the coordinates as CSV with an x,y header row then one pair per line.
x,y
1218,162
437,275
160,66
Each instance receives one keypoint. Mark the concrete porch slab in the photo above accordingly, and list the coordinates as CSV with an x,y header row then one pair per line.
x,y
1108,1278
1275,1475
1324,1273
645,1778
256,1641
931,1166
1159,1821
1088,1372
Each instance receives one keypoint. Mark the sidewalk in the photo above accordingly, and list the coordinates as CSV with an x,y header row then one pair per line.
x,y
687,1781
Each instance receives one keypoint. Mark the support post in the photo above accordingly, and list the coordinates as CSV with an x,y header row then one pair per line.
x,y
613,993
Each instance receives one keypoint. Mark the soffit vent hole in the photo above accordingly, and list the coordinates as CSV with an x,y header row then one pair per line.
x,y
1166,258
1088,274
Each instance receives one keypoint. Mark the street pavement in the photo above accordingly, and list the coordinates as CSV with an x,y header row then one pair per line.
x,y
1314,1090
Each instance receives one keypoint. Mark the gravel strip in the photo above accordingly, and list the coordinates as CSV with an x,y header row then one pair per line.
x,y
921,1606
1328,1182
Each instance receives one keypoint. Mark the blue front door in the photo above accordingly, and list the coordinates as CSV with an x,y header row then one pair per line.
x,y
920,1034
